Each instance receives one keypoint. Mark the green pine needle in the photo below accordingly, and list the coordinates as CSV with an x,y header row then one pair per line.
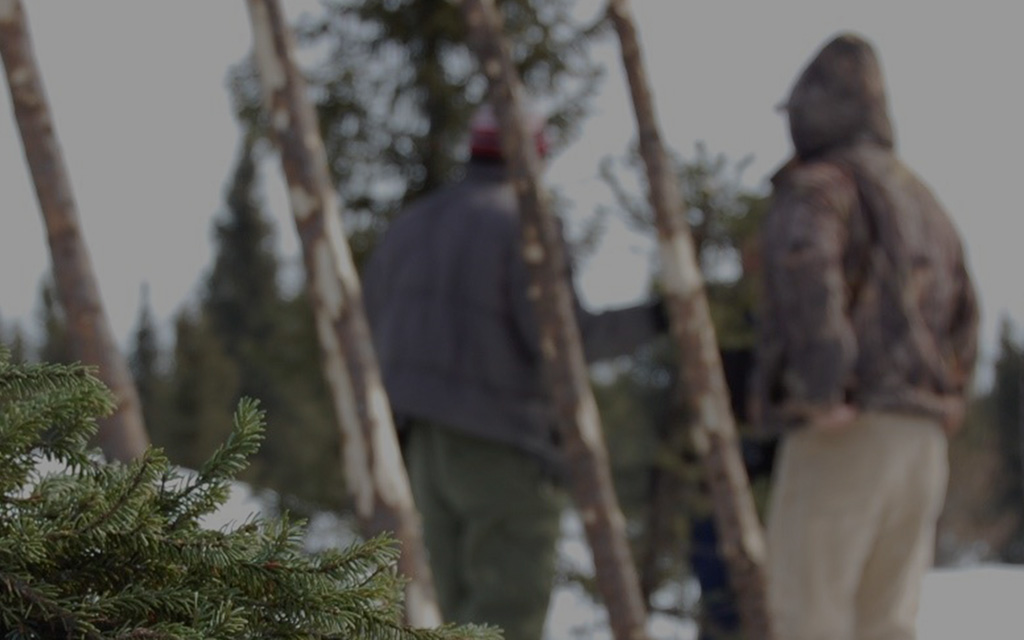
x,y
96,550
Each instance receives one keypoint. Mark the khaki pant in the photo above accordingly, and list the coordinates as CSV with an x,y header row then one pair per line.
x,y
851,528
490,524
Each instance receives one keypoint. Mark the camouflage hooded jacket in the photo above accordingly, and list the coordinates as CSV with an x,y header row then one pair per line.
x,y
867,298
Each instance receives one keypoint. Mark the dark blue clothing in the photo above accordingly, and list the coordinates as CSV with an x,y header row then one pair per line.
x,y
454,328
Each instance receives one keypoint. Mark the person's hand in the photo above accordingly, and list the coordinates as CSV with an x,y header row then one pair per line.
x,y
832,419
954,412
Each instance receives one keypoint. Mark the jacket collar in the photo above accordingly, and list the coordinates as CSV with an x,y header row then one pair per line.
x,y
486,171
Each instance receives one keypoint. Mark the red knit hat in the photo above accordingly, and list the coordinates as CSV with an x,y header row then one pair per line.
x,y
485,134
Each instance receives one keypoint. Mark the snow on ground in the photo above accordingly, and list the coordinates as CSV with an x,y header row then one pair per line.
x,y
972,601
982,601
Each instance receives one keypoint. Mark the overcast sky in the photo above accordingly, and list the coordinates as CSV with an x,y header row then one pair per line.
x,y
137,90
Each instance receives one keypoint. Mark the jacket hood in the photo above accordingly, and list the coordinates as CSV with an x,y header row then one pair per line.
x,y
839,99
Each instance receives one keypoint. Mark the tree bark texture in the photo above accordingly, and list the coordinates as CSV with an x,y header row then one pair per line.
x,y
561,346
702,380
374,469
122,435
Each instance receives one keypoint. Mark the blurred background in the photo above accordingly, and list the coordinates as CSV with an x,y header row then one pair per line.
x,y
183,209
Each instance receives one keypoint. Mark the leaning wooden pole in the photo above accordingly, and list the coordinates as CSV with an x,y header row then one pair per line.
x,y
122,435
561,345
702,379
374,470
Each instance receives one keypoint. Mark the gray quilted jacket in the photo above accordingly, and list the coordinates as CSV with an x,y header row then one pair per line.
x,y
453,329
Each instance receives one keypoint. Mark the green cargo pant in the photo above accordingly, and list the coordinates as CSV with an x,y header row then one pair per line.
x,y
490,524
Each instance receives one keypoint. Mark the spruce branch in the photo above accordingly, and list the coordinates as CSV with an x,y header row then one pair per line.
x,y
96,550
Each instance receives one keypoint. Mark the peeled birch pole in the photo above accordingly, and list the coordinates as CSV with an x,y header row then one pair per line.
x,y
561,345
374,469
702,379
122,435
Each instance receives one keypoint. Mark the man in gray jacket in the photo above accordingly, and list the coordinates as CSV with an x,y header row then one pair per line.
x,y
446,296
868,340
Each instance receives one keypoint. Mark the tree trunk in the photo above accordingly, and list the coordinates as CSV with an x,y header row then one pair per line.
x,y
122,435
701,376
561,345
374,470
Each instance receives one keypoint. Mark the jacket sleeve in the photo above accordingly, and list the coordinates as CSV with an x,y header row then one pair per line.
x,y
803,243
616,332
606,334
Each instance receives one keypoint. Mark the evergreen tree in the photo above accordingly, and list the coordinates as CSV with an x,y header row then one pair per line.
x,y
56,344
12,337
241,296
96,550
144,362
302,459
1005,401
241,304
655,467
203,389
246,337
271,341
723,215
394,87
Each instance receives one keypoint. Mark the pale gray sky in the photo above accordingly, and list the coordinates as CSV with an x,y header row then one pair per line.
x,y
137,90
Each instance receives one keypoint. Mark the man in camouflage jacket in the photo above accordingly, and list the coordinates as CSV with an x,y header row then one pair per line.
x,y
867,345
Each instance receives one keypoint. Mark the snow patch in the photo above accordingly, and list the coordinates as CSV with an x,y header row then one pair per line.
x,y
981,600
